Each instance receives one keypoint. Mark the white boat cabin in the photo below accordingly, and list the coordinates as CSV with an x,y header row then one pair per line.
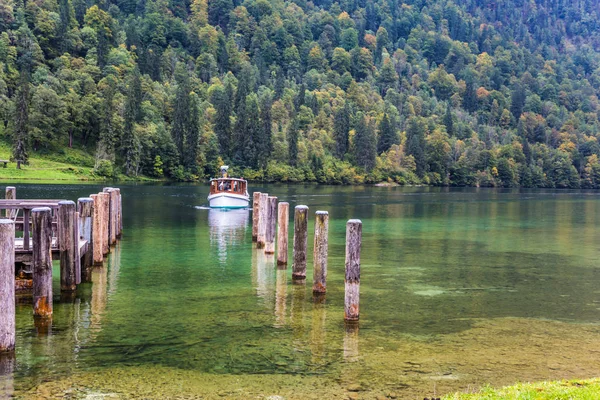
x,y
228,185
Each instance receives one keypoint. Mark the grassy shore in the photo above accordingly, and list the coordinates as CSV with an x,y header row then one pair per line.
x,y
68,165
71,165
583,389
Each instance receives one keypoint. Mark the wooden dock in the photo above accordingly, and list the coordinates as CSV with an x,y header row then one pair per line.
x,y
104,214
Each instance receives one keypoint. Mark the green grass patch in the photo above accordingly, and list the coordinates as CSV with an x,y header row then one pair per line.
x,y
43,169
66,165
580,389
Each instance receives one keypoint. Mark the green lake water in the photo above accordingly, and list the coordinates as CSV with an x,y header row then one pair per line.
x,y
459,288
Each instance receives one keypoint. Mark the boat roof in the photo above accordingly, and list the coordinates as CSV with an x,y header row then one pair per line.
x,y
228,179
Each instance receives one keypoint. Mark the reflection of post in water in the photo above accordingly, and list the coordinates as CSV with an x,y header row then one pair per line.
x,y
265,268
99,296
351,341
114,265
7,368
280,297
297,310
317,332
43,326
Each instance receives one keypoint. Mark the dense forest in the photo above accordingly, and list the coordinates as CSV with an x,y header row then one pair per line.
x,y
439,92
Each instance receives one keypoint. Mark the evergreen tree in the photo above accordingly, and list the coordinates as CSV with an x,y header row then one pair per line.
x,y
108,128
517,101
292,138
66,22
264,145
21,120
130,143
387,135
301,98
365,143
26,54
192,135
470,96
181,112
415,139
341,130
222,120
239,133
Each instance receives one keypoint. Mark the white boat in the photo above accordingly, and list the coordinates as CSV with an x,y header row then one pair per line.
x,y
226,192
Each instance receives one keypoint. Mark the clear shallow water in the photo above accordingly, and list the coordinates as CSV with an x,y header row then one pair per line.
x,y
459,287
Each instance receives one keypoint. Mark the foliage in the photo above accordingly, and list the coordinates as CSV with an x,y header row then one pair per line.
x,y
437,92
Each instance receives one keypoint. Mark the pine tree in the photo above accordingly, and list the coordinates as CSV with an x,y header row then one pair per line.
x,y
192,134
130,143
26,49
292,138
365,141
108,130
239,133
387,135
66,22
21,120
264,145
518,98
341,130
415,139
181,113
222,120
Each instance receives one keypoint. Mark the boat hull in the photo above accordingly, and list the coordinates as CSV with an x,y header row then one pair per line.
x,y
228,200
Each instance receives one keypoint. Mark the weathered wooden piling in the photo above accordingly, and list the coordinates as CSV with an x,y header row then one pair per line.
x,y
42,262
120,214
11,194
262,221
97,255
67,245
77,249
105,222
300,242
119,225
85,205
271,228
7,285
352,280
255,211
112,215
283,215
320,252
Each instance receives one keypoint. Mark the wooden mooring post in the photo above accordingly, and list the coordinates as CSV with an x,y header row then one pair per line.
x,y
67,245
352,279
262,221
105,222
112,214
320,252
271,227
7,285
11,194
97,255
42,262
85,206
283,215
300,242
120,214
255,211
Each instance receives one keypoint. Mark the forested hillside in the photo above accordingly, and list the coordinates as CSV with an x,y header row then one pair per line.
x,y
441,92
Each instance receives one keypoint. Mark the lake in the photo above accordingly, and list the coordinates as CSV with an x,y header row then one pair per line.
x,y
459,288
